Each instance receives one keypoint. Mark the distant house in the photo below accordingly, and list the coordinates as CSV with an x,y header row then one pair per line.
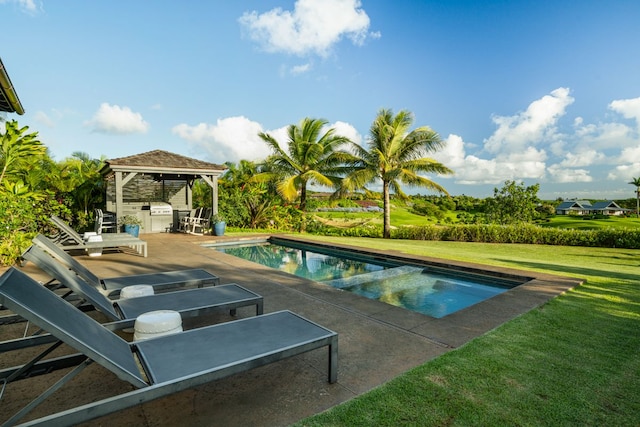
x,y
584,207
607,208
574,207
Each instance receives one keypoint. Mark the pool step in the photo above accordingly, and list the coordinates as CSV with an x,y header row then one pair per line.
x,y
374,275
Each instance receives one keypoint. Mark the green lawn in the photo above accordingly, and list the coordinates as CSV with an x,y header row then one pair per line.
x,y
574,361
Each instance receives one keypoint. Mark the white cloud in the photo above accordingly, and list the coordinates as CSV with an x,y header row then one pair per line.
x,y
346,129
471,169
113,119
236,138
230,139
625,172
605,136
563,174
586,158
629,108
300,69
313,27
535,125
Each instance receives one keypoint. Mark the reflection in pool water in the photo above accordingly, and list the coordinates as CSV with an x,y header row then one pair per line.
x,y
410,287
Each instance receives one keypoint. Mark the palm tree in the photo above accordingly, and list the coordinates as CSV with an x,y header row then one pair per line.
x,y
395,156
636,183
311,158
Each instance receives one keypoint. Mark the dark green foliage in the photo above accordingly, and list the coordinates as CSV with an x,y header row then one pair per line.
x,y
523,233
427,208
22,218
513,203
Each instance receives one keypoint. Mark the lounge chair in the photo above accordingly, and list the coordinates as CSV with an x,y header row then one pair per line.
x,y
112,286
69,239
167,364
104,222
189,303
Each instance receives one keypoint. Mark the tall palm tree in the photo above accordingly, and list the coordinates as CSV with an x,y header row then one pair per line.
x,y
636,183
395,155
310,158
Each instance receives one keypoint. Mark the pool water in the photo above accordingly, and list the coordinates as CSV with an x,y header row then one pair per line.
x,y
414,288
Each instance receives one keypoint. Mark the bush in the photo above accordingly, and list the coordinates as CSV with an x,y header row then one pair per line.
x,y
522,233
21,218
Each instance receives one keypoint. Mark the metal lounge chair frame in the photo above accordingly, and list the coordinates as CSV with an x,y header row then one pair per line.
x,y
168,364
168,280
189,302
109,225
68,239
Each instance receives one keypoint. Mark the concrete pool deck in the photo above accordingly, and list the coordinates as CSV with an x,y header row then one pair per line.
x,y
377,342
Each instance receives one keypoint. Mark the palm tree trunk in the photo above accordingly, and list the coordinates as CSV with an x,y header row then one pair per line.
x,y
303,197
638,202
386,227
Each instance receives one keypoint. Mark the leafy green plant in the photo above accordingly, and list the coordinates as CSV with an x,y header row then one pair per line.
x,y
129,220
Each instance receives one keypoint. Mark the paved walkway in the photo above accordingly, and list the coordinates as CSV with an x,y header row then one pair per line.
x,y
377,342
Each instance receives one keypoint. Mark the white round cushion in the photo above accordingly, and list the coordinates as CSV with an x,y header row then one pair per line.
x,y
157,323
134,291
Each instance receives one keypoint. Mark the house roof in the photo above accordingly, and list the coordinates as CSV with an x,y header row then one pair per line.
x,y
9,100
162,162
574,204
609,204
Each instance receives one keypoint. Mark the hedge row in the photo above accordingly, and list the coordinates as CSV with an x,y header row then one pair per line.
x,y
492,233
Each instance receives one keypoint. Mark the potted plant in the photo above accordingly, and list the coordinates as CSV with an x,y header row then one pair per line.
x,y
219,224
131,224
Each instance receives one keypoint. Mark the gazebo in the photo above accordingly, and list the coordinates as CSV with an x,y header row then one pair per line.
x,y
156,186
9,101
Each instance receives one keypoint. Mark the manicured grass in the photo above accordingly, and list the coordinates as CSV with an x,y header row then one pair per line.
x,y
573,361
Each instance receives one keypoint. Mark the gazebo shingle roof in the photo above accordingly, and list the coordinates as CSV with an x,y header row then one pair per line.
x,y
163,159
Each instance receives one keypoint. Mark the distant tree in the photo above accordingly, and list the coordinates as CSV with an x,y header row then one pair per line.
x,y
311,157
395,155
513,203
636,182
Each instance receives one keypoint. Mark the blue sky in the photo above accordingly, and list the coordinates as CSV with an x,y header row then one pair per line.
x,y
539,91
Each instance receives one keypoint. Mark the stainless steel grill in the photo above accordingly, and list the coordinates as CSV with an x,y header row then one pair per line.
x,y
160,209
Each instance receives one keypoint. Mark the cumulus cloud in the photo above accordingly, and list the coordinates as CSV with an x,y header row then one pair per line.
x,y
535,125
629,108
562,174
471,169
313,27
229,139
236,138
346,129
113,119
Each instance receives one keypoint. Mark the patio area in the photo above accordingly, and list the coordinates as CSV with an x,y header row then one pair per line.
x,y
377,342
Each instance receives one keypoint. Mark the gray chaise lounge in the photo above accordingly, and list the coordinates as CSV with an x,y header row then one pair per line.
x,y
112,286
167,364
69,239
189,302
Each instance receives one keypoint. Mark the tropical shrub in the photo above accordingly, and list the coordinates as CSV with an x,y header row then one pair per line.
x,y
22,217
523,233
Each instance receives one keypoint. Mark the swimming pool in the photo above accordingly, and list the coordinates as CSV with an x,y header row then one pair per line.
x,y
432,291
